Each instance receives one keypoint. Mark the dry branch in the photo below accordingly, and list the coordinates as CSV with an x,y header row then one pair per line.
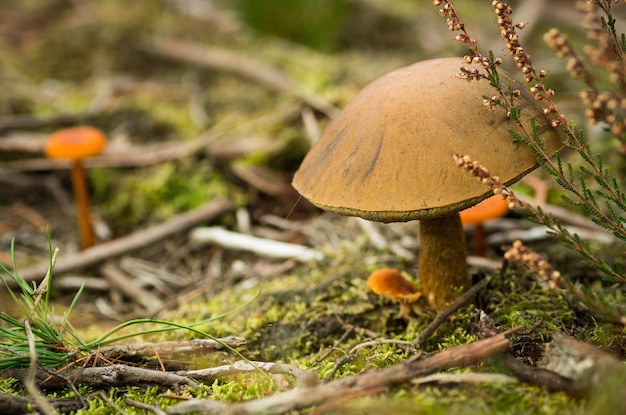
x,y
568,365
308,392
11,404
121,282
585,366
134,241
106,377
213,142
356,385
238,64
260,246
303,378
455,305
167,348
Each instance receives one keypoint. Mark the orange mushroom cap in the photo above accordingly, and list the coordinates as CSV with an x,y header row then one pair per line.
x,y
490,208
75,143
390,283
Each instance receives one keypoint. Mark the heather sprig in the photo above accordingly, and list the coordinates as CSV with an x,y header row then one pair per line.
x,y
519,253
477,170
591,186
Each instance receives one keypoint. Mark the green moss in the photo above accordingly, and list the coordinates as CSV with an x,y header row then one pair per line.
x,y
462,399
106,40
310,22
242,387
132,198
308,318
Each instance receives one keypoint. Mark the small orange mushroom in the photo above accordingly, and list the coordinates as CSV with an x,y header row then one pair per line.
x,y
490,208
390,283
75,144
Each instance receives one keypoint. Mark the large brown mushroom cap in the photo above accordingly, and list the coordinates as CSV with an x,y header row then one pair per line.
x,y
388,155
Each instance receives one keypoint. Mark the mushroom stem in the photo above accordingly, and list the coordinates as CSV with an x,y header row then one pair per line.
x,y
81,198
479,240
443,271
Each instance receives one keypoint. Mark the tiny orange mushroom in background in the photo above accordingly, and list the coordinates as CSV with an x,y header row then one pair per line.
x,y
490,208
75,144
390,283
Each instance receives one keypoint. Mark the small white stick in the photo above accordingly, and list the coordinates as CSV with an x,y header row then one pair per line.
x,y
260,246
465,378
376,238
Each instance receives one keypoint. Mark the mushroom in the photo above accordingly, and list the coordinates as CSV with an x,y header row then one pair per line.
x,y
491,208
388,157
391,284
75,144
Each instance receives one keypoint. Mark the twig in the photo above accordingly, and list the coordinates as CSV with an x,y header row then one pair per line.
x,y
167,348
131,242
443,316
119,281
330,349
303,378
465,378
147,407
29,122
408,345
560,356
260,246
564,215
134,155
547,379
29,381
538,233
104,377
339,363
241,65
12,404
352,385
585,366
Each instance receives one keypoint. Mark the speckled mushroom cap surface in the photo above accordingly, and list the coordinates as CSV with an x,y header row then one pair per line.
x,y
388,156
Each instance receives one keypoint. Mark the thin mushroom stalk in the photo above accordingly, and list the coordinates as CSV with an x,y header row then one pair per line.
x,y
83,210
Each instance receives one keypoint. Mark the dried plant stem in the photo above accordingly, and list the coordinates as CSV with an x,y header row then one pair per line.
x,y
139,239
357,385
524,255
29,382
482,174
443,316
505,99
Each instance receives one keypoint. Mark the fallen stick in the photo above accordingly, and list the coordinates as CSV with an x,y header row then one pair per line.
x,y
539,233
260,246
302,377
239,64
166,349
455,305
11,404
121,282
356,385
587,367
134,241
570,366
215,142
104,377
